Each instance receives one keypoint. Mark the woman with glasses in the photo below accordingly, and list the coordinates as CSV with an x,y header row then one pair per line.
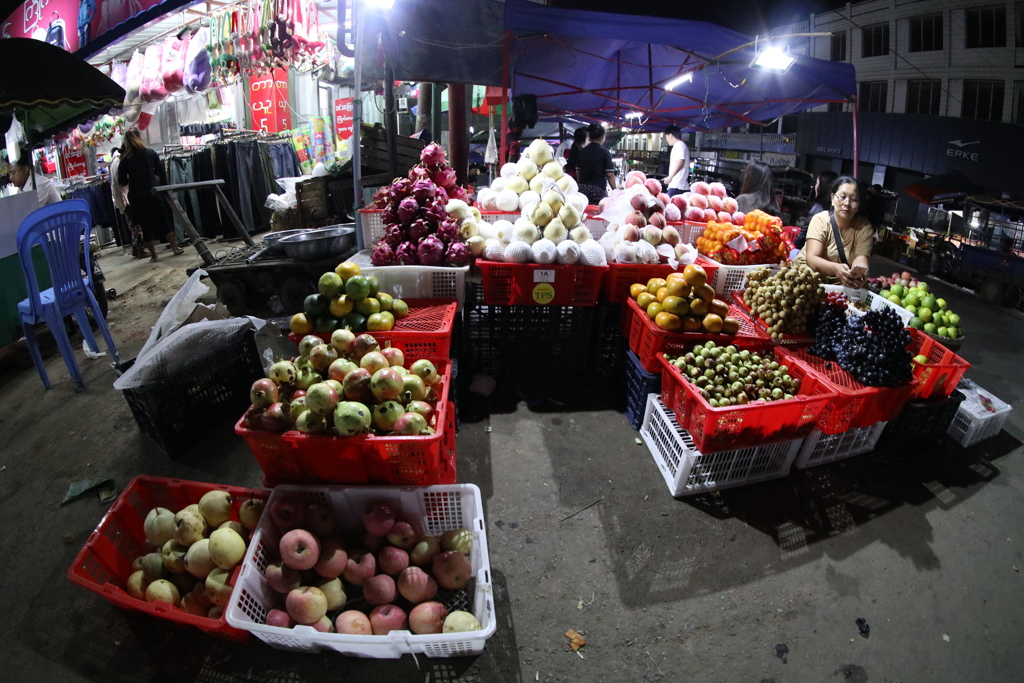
x,y
839,240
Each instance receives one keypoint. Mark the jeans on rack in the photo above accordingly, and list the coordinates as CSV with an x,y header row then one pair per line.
x,y
180,171
209,211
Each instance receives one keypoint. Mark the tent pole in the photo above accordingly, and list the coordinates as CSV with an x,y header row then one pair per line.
x,y
504,101
856,154
390,118
357,122
457,134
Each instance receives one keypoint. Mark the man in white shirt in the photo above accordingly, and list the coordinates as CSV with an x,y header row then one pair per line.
x,y
678,162
20,173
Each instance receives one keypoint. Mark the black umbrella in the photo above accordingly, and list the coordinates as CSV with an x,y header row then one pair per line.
x,y
50,90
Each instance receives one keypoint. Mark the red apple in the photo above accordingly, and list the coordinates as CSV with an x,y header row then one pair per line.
x,y
379,590
392,560
281,577
279,618
427,617
403,536
354,623
325,625
299,549
287,512
379,519
716,203
361,566
333,559
710,215
452,569
319,519
387,618
415,585
306,605
371,542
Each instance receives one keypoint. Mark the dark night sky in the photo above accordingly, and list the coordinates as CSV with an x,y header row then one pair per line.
x,y
747,16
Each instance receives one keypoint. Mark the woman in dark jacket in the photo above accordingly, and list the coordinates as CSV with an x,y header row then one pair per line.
x,y
595,171
141,170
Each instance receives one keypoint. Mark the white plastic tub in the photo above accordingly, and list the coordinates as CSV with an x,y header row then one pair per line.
x,y
432,510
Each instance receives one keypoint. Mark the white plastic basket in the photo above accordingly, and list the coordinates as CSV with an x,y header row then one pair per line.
x,y
876,301
371,224
416,282
689,231
731,278
820,448
596,226
974,421
687,471
432,510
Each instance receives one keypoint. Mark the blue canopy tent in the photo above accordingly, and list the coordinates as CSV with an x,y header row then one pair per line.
x,y
601,67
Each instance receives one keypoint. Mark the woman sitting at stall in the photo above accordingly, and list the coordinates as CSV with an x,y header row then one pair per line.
x,y
839,240
595,170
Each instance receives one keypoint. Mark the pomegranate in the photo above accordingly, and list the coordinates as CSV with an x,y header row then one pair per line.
x,y
421,407
252,417
386,414
276,418
410,424
321,357
263,393
413,388
396,357
357,385
362,345
322,398
351,418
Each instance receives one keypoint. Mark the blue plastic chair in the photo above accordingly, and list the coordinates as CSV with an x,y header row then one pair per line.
x,y
61,229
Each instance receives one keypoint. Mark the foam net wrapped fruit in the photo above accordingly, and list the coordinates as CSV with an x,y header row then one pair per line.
x,y
765,242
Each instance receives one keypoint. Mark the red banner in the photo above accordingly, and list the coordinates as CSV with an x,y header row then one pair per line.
x,y
268,102
343,118
75,165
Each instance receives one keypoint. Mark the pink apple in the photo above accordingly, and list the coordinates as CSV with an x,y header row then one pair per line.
x,y
287,511
699,200
299,549
710,215
306,605
333,559
424,552
694,215
452,569
353,623
279,618
427,617
371,542
730,205
325,625
403,536
724,217
415,585
738,218
361,566
281,577
715,203
700,188
379,519
387,618
319,519
392,560
680,201
379,590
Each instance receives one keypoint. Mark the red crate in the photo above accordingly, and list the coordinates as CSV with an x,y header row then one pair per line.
x,y
295,458
719,429
788,340
855,405
622,275
532,284
943,371
425,333
104,563
647,340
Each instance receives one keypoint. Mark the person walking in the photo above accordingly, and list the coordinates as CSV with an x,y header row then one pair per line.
x,y
572,157
677,180
595,169
141,170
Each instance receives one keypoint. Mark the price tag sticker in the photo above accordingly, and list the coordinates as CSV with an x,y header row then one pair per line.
x,y
544,293
543,275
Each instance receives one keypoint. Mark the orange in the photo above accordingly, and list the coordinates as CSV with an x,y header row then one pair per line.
x,y
653,310
654,284
645,299
661,294
347,270
678,287
675,305
705,292
718,307
691,324
694,275
712,323
300,324
636,290
667,321
698,307
341,306
730,326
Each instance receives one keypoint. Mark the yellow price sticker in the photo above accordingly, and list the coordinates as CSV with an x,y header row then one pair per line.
x,y
544,293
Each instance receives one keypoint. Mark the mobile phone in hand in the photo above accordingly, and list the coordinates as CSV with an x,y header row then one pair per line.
x,y
859,270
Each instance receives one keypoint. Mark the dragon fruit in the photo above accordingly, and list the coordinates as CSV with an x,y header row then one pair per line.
x,y
408,208
457,192
419,172
400,188
457,254
432,154
444,177
448,231
435,211
420,228
394,235
406,254
441,193
423,190
382,254
390,215
431,251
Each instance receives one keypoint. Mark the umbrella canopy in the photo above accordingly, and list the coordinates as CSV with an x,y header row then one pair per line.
x,y
604,66
51,90
944,186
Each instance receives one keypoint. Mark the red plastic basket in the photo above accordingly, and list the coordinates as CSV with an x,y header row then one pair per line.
x,y
647,340
788,340
943,371
532,284
855,405
425,333
719,429
295,458
105,561
622,275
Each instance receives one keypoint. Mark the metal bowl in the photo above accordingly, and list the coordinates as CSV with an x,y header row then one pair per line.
x,y
272,240
320,244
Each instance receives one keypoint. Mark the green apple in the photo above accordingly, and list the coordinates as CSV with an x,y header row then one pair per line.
x,y
954,319
884,293
930,328
912,309
911,300
923,286
925,314
898,289
941,332
895,299
941,303
916,323
923,360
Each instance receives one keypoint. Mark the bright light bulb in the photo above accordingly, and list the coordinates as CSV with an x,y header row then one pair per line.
x,y
685,78
774,59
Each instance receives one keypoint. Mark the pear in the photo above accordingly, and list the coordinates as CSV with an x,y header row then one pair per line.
x,y
215,507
